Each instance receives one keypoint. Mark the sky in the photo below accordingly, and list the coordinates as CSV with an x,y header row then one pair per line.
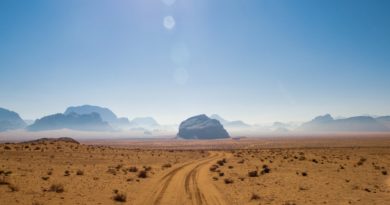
x,y
255,60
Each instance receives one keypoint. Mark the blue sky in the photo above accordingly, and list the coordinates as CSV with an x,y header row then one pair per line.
x,y
255,60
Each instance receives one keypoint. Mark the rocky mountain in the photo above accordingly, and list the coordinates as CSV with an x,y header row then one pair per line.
x,y
10,120
106,114
73,121
201,127
230,124
327,123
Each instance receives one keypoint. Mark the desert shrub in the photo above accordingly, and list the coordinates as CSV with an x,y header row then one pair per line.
x,y
147,168
120,197
221,162
304,174
255,197
58,188
143,174
80,172
265,170
7,147
133,169
241,161
384,172
361,161
214,168
66,173
45,178
221,174
166,165
215,178
230,167
253,173
228,181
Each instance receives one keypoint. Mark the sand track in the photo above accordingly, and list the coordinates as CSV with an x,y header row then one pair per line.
x,y
188,183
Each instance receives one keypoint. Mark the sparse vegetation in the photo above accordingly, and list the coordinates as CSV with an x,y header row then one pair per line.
x,y
253,173
255,197
143,174
119,197
58,188
166,165
133,169
228,181
80,172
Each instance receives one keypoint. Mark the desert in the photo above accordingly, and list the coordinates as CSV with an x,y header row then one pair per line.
x,y
321,170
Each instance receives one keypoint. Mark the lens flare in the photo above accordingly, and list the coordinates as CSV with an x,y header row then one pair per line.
x,y
169,22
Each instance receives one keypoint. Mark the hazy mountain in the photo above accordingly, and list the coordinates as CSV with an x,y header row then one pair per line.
x,y
280,127
10,120
201,127
73,121
385,120
144,122
230,124
106,114
327,123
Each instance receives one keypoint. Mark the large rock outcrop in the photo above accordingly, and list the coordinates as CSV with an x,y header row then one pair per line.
x,y
202,127
73,121
10,120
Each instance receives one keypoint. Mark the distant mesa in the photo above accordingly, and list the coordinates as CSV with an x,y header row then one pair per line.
x,y
230,124
202,127
327,123
73,121
10,120
145,122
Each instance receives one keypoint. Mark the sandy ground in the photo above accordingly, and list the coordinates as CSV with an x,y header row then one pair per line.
x,y
246,171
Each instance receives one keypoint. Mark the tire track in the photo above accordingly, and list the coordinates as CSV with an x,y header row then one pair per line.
x,y
182,185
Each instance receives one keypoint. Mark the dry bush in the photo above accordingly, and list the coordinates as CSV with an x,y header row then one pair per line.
x,y
147,168
166,165
253,173
133,169
304,174
142,174
255,197
58,188
228,181
214,168
361,161
66,173
384,172
45,178
80,172
265,170
119,197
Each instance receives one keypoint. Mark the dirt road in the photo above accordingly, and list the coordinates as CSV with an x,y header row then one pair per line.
x,y
188,183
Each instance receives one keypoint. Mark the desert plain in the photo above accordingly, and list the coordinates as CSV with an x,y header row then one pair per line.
x,y
279,170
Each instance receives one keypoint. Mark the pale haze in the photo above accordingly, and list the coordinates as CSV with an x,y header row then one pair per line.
x,y
257,61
